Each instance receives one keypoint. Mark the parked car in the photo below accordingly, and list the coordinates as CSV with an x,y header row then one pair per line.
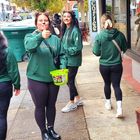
x,y
16,18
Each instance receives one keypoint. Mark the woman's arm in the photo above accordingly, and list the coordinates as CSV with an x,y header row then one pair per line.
x,y
96,48
12,69
76,44
32,41
124,45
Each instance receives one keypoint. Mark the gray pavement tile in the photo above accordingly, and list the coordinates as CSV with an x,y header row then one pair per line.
x,y
89,93
88,78
113,133
71,126
91,119
102,123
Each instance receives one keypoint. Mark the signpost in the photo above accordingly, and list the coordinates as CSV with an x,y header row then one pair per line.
x,y
93,16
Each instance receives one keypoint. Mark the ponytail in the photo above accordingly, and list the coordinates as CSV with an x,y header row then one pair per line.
x,y
106,21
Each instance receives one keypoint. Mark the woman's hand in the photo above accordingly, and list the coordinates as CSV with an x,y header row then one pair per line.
x,y
17,92
46,34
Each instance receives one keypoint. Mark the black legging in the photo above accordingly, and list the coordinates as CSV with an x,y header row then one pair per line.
x,y
5,96
112,74
44,96
71,82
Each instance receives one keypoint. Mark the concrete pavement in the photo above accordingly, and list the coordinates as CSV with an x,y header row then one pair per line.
x,y
90,122
101,123
21,123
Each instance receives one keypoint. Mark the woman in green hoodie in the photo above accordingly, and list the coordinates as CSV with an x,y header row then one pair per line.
x,y
41,45
110,60
71,45
9,75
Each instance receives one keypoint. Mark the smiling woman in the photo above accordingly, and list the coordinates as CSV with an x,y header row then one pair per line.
x,y
40,83
72,46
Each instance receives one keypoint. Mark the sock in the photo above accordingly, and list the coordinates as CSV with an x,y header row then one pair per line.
x,y
119,104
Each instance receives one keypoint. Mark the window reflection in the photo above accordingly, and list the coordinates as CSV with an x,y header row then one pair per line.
x,y
135,25
117,8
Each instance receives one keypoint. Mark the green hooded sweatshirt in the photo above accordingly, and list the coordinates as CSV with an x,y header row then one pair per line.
x,y
105,48
41,59
11,73
71,48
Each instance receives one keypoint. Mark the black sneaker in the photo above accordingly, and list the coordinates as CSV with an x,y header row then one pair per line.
x,y
53,134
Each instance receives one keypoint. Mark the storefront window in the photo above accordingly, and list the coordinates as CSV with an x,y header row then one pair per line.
x,y
135,25
117,8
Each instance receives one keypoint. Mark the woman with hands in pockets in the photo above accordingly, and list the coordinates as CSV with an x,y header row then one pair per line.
x,y
71,51
40,83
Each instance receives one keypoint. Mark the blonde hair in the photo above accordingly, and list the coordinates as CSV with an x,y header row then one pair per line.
x,y
106,21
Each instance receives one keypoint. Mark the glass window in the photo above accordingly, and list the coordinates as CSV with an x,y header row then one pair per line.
x,y
117,8
135,25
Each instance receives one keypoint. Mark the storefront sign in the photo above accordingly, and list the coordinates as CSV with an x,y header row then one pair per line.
x,y
93,16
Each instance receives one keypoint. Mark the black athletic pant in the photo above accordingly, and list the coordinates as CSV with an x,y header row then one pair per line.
x,y
44,96
5,96
112,74
71,82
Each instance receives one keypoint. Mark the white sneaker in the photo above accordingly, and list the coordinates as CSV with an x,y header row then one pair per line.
x,y
69,107
119,113
79,102
119,110
108,104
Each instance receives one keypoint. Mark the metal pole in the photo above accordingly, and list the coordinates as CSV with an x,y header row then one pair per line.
x,y
128,23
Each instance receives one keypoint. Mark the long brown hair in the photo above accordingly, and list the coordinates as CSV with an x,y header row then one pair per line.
x,y
45,14
74,22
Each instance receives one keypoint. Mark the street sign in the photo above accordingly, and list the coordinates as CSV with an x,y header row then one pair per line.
x,y
93,16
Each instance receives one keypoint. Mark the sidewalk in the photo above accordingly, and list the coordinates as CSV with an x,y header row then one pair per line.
x,y
90,121
21,122
102,124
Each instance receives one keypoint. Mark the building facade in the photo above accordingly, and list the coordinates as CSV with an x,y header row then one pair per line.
x,y
4,9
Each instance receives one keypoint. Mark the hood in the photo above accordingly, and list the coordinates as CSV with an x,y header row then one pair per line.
x,y
110,34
